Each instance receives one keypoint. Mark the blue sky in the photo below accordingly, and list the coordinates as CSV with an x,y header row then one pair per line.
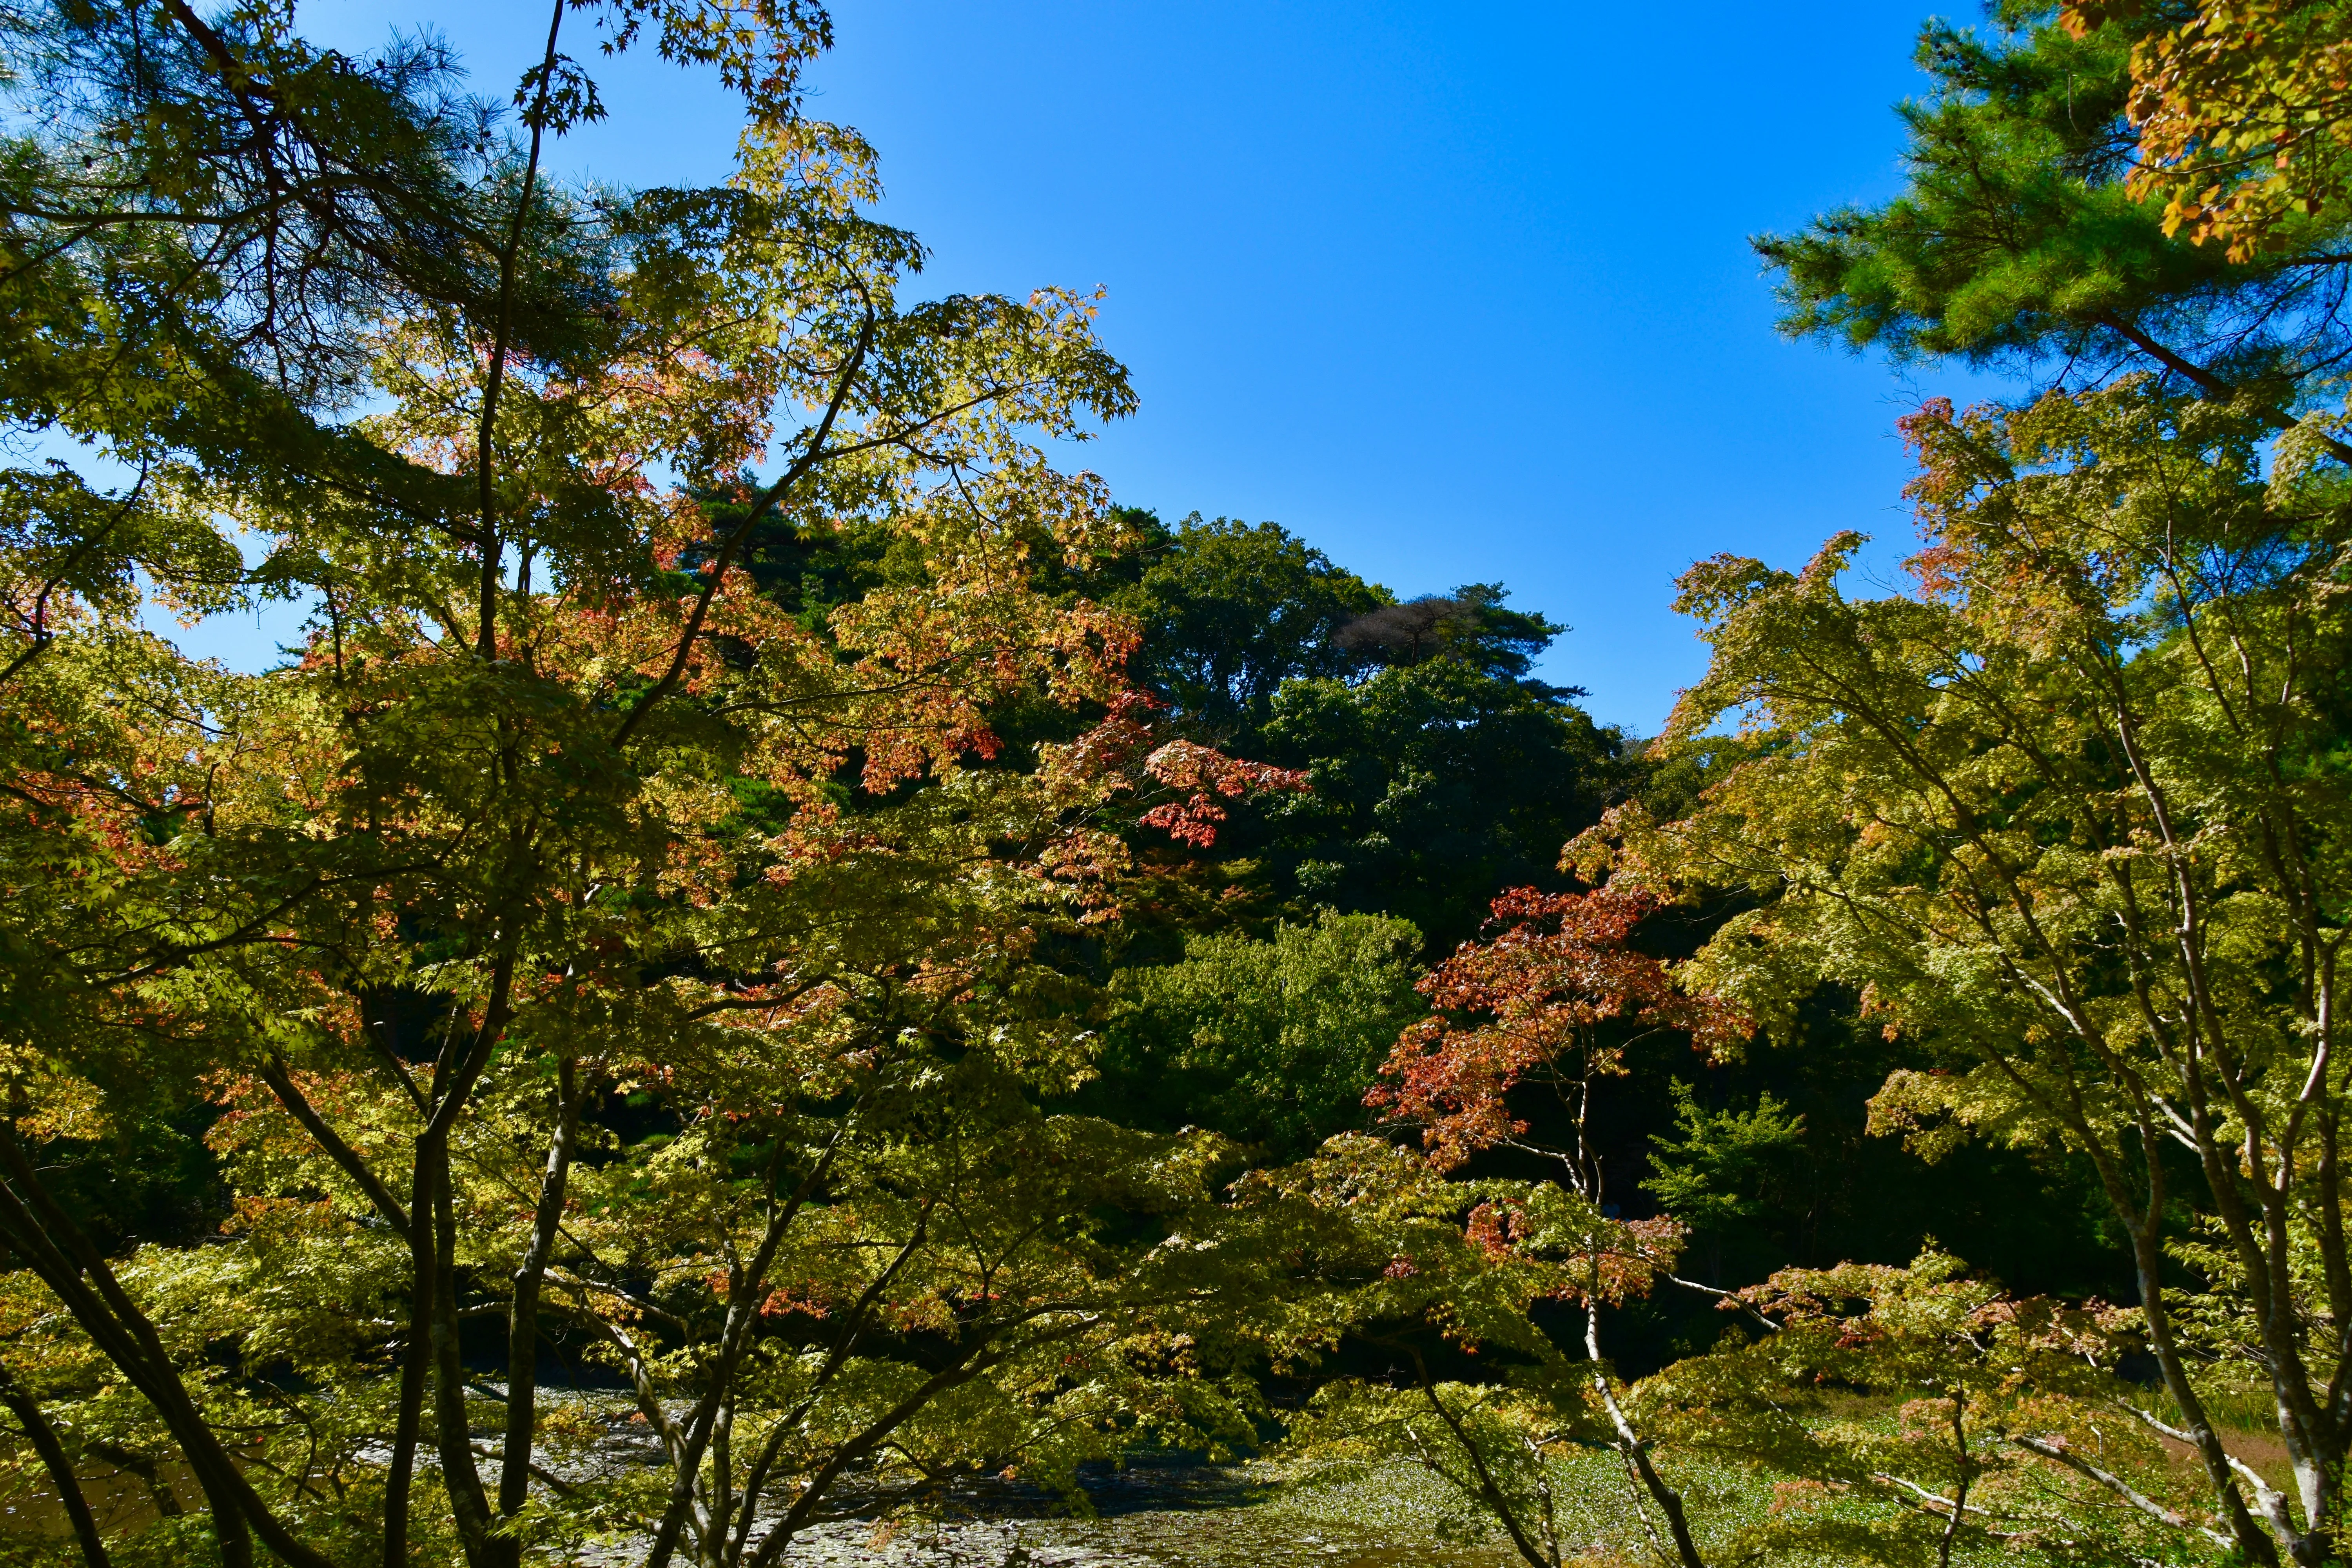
x,y
1458,294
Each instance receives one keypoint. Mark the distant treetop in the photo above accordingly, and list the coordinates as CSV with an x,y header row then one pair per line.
x,y
1468,625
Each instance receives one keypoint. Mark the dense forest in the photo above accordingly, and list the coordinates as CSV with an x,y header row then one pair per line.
x,y
769,948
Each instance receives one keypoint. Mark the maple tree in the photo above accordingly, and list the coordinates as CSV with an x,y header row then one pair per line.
x,y
1539,997
581,941
2072,818
2244,112
1544,1005
623,984
1969,1419
1396,1254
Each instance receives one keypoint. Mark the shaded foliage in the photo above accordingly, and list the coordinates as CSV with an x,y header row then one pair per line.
x,y
1273,1043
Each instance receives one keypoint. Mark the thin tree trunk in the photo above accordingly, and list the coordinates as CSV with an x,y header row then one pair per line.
x,y
820,1485
2148,1258
416,1358
1489,1489
1636,1451
745,1289
469,1504
1960,1491
44,1438
89,1289
522,1317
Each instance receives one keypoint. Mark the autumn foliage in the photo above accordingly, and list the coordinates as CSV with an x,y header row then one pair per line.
x,y
1551,999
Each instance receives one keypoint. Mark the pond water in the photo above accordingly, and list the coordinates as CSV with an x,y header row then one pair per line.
x,y
1167,1517
1144,1516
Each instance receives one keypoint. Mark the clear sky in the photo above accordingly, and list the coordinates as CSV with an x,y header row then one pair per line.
x,y
1458,292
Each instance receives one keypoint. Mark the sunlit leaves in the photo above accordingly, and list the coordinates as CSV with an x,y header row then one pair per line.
x,y
2074,818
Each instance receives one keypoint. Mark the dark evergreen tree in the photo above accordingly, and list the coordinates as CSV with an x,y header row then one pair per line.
x,y
1230,611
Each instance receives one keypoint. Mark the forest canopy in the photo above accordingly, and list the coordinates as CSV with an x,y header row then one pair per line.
x,y
770,954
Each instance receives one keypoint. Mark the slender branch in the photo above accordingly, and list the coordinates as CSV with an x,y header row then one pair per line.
x,y
2117,1485
44,1438
798,469
1927,1495
486,639
2205,381
522,1333
272,1071
1723,1294
41,635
